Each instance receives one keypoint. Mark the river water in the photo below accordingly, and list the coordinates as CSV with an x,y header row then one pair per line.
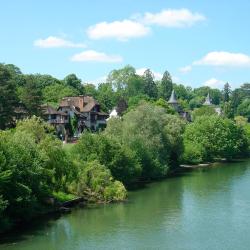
x,y
206,208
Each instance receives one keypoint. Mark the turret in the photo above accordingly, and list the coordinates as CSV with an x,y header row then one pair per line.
x,y
207,101
173,101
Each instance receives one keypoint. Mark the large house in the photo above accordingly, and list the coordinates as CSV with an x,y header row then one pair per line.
x,y
86,110
81,111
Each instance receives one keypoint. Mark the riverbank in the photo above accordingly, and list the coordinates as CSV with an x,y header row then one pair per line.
x,y
59,208
167,214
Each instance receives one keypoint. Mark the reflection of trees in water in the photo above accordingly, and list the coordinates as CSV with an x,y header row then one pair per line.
x,y
173,202
206,182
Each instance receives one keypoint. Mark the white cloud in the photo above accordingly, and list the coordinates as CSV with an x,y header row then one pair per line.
x,y
186,69
121,30
56,42
157,75
214,83
222,58
94,56
173,18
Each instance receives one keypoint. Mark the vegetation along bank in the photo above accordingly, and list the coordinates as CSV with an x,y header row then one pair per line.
x,y
150,138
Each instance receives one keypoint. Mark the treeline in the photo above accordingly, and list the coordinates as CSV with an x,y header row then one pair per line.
x,y
123,89
147,142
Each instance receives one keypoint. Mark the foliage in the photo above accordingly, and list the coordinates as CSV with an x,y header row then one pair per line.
x,y
31,96
166,86
218,137
74,82
150,87
96,183
193,153
121,161
52,94
8,97
153,135
204,110
244,108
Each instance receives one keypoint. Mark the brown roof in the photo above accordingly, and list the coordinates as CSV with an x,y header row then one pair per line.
x,y
84,103
48,110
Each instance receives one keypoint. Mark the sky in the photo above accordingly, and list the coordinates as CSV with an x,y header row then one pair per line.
x,y
198,42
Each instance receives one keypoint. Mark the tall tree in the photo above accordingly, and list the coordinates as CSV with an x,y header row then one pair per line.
x,y
119,77
165,86
226,92
150,87
8,98
73,81
31,96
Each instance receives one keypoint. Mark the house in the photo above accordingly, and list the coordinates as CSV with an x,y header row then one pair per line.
x,y
56,118
86,110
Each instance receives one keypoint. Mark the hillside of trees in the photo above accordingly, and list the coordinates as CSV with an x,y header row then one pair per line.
x,y
148,142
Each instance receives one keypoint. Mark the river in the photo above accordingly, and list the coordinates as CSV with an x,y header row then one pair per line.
x,y
206,208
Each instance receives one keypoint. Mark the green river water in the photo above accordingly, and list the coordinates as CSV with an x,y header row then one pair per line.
x,y
206,208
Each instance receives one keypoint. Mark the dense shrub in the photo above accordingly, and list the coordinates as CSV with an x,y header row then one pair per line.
x,y
120,160
153,135
218,137
96,183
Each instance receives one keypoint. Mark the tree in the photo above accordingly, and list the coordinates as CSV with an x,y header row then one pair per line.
x,y
73,81
204,110
183,92
121,161
165,86
119,77
8,98
244,108
31,96
52,94
226,92
106,96
90,89
150,87
96,183
215,137
153,135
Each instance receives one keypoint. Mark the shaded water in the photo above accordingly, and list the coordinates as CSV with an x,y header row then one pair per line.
x,y
203,209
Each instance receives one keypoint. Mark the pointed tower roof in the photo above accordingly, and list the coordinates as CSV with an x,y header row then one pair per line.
x,y
207,101
172,98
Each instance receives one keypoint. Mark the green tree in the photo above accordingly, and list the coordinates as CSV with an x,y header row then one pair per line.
x,y
153,135
204,110
165,86
31,96
8,98
72,80
106,96
226,92
244,108
216,137
150,87
52,94
119,77
121,161
95,182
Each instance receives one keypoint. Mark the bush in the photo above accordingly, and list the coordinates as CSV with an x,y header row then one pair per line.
x,y
193,153
153,135
96,183
120,160
218,137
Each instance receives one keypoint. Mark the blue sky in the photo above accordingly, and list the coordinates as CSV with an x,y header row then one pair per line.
x,y
198,42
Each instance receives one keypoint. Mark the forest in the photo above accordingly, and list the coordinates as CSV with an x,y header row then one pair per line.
x,y
147,142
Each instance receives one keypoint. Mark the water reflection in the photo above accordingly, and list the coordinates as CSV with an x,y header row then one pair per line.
x,y
203,209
